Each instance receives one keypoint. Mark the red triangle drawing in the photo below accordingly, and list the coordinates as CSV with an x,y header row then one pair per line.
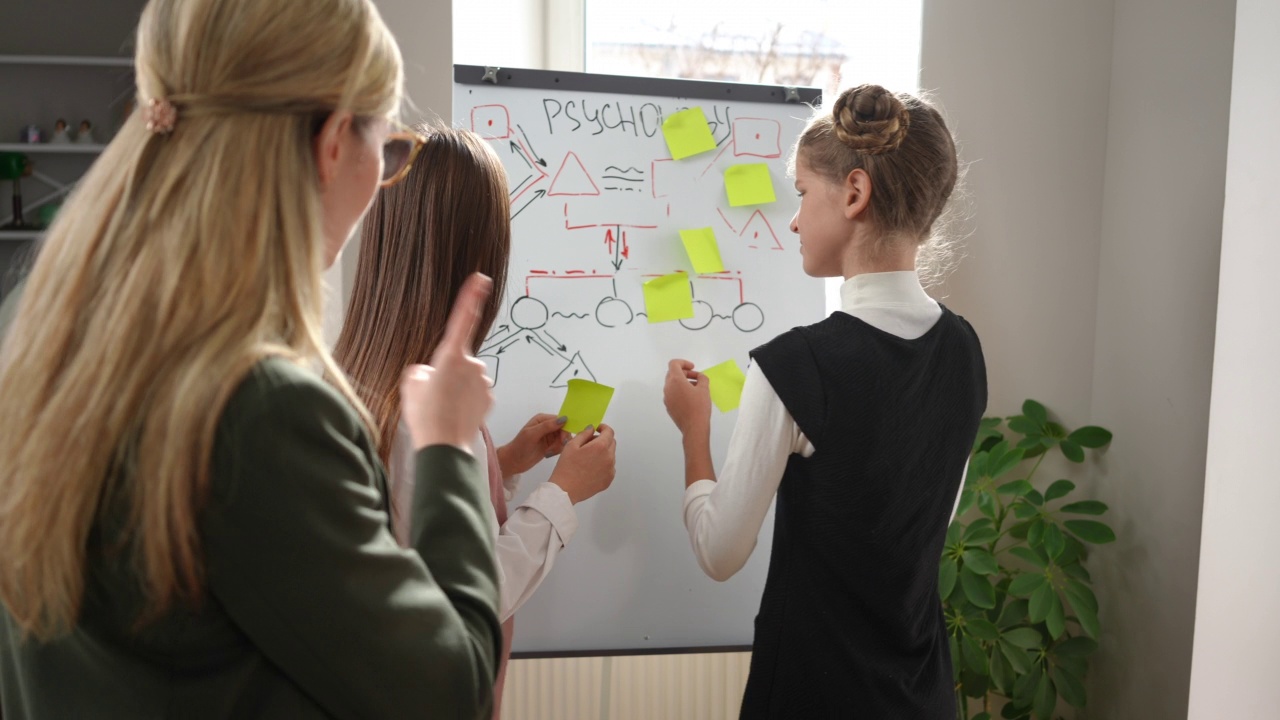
x,y
759,229
573,179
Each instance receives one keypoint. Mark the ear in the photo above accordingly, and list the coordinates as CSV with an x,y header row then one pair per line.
x,y
857,193
328,145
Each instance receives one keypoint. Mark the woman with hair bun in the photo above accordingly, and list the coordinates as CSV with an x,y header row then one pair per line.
x,y
860,425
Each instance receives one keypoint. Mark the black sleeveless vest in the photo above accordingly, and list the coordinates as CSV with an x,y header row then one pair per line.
x,y
850,624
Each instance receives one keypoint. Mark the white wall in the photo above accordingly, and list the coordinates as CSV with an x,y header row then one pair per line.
x,y
1157,287
1237,628
1097,130
1025,87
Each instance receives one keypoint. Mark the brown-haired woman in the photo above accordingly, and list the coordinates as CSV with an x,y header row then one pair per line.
x,y
421,240
860,424
192,512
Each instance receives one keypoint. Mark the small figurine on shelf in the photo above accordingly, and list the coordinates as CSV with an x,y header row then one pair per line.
x,y
60,135
85,136
31,134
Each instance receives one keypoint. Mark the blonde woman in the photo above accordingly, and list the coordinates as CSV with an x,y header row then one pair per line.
x,y
192,511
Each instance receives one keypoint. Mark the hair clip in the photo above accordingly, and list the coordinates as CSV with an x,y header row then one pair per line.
x,y
160,116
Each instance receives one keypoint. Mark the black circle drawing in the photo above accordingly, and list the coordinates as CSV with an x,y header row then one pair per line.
x,y
612,312
748,317
528,313
702,316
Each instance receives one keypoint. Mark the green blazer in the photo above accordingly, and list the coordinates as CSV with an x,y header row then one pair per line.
x,y
311,610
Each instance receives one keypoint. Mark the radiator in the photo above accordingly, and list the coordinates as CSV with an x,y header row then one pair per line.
x,y
637,687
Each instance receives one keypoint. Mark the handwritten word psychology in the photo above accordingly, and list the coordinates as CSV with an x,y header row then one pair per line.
x,y
596,118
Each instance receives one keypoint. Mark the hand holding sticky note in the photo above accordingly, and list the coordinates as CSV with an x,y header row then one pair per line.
x,y
688,134
748,184
726,385
668,298
585,404
703,251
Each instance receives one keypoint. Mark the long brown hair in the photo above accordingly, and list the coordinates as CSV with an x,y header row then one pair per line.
x,y
179,262
421,239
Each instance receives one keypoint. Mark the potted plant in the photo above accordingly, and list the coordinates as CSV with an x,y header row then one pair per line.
x,y
1016,596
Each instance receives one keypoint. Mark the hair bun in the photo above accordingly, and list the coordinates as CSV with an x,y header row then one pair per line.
x,y
870,119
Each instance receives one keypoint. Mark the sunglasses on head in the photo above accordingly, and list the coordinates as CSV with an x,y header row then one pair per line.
x,y
398,152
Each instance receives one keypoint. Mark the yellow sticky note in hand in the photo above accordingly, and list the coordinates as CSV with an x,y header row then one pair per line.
x,y
703,251
585,404
726,384
748,184
668,298
687,133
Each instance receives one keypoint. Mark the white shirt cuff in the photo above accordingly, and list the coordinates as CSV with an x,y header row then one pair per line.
x,y
554,504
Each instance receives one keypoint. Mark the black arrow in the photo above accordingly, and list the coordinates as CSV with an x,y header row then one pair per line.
x,y
531,339
524,182
561,345
536,195
541,162
516,149
504,347
498,331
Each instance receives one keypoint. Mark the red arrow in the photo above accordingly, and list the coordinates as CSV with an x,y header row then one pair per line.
x,y
626,249
608,240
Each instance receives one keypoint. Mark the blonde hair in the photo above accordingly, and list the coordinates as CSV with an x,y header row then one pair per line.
x,y
903,144
179,262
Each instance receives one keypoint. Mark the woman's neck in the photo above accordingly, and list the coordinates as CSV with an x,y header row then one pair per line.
x,y
899,256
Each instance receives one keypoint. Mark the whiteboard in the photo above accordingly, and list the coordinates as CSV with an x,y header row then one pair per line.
x,y
596,204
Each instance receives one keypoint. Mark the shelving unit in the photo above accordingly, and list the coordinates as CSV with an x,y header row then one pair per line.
x,y
51,148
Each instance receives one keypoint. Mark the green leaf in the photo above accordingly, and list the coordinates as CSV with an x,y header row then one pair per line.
x,y
1077,666
954,532
974,658
1019,530
982,629
1014,613
1076,570
1054,540
977,589
1069,687
1035,535
1086,612
1085,507
1091,531
1039,449
987,504
1055,621
1026,584
1041,601
980,531
1046,698
1035,412
1090,436
1023,424
1013,711
1016,488
1080,594
1030,442
955,657
1034,497
1023,637
1008,461
947,572
1024,688
966,502
1055,431
1001,671
1018,658
1073,451
1072,552
1029,555
980,561
982,716
1078,646
1058,489
1024,510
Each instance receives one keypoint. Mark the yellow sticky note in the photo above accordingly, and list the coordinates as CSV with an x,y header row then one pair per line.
x,y
687,133
668,298
749,184
726,384
703,251
585,404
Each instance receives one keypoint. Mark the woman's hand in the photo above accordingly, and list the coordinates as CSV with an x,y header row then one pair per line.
x,y
587,464
687,395
445,402
542,437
